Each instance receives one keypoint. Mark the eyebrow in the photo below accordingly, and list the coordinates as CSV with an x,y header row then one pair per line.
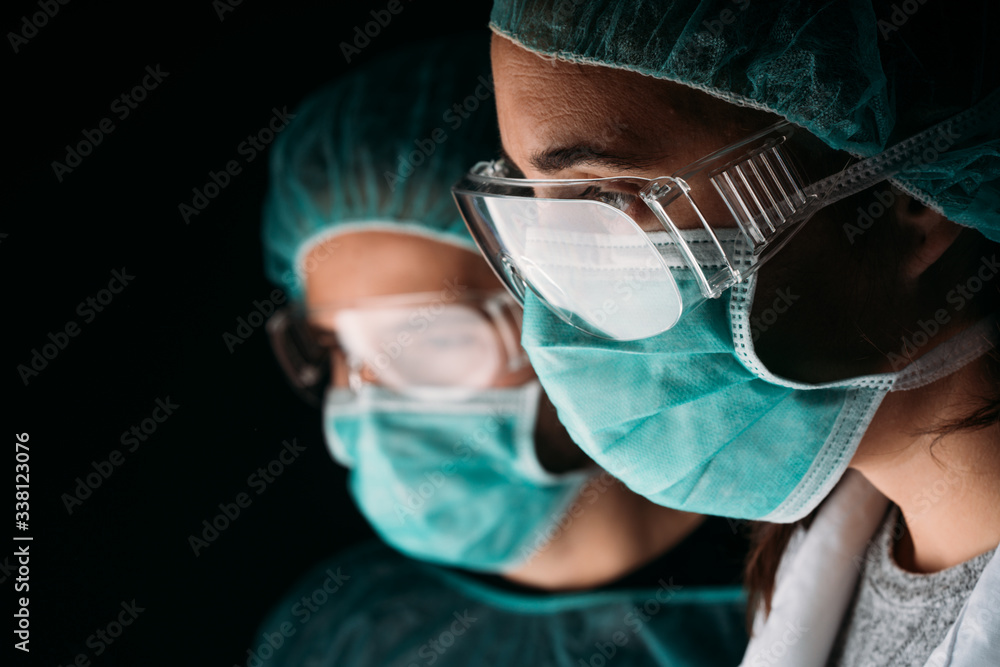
x,y
559,158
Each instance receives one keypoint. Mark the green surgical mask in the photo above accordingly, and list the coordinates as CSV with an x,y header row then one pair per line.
x,y
692,420
451,481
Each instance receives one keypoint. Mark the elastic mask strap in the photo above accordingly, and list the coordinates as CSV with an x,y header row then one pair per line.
x,y
354,367
502,401
949,357
879,167
702,245
525,447
339,403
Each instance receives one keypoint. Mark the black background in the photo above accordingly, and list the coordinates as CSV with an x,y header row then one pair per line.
x,y
162,336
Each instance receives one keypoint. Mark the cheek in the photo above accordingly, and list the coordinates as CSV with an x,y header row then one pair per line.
x,y
815,317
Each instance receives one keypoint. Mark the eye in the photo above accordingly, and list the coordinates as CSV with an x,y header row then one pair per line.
x,y
625,197
619,198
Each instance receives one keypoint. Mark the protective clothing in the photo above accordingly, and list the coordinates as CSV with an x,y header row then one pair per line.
x,y
859,75
816,582
371,607
694,420
697,422
584,245
460,341
451,481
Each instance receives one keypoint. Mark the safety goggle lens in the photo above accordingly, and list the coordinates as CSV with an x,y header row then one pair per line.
x,y
589,262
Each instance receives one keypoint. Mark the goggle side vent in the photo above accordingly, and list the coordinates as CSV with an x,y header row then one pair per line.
x,y
762,191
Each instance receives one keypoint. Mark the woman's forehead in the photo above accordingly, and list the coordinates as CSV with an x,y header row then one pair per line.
x,y
551,107
378,263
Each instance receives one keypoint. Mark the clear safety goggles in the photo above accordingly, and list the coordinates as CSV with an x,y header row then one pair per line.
x,y
625,258
454,343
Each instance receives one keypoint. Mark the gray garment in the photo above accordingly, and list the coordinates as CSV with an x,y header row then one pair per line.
x,y
897,617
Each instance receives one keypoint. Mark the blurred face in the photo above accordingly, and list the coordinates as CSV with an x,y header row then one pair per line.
x,y
822,310
363,265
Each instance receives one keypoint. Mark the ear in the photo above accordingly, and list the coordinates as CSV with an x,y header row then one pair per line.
x,y
931,233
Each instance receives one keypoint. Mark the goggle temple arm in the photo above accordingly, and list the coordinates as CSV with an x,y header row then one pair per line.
x,y
767,199
760,189
301,360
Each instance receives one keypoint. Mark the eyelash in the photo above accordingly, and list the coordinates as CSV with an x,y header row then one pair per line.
x,y
618,199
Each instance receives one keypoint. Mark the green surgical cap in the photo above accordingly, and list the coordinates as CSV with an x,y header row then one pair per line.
x,y
380,149
860,75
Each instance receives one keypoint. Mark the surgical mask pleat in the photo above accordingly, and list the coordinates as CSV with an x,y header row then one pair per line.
x,y
689,424
453,482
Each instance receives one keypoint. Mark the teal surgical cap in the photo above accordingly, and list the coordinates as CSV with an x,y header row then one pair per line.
x,y
858,74
380,149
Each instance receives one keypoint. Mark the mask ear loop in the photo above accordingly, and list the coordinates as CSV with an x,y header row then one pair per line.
x,y
495,309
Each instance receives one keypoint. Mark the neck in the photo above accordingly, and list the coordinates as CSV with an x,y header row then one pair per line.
x,y
946,486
